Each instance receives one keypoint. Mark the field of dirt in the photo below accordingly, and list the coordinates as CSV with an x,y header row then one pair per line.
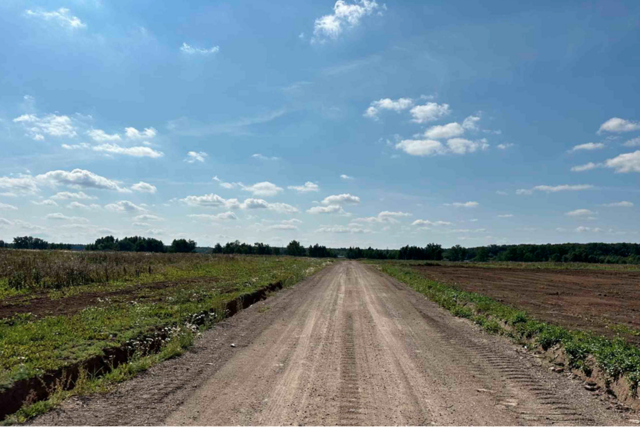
x,y
347,346
592,300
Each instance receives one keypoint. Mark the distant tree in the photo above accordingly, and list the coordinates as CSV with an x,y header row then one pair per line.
x,y
107,243
28,242
217,249
182,246
294,248
2,244
482,255
318,251
457,253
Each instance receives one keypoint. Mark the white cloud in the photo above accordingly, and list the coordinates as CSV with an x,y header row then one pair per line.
x,y
193,156
128,151
79,178
224,216
426,222
505,216
471,122
331,209
148,217
429,112
215,201
52,125
619,125
589,146
463,204
227,185
463,146
190,50
504,146
261,157
580,212
306,188
449,130
6,207
44,203
66,195
78,205
586,167
61,16
344,16
387,104
124,206
263,189
624,163
623,204
635,142
144,187
23,184
62,217
555,189
421,147
385,216
133,133
99,135
5,222
583,229
282,208
340,199
346,177
282,227
351,229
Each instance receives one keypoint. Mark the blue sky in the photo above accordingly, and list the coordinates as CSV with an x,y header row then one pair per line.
x,y
343,123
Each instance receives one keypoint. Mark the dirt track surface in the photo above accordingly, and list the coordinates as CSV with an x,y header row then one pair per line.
x,y
347,346
576,299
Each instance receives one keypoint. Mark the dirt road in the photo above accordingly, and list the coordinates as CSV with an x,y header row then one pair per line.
x,y
347,346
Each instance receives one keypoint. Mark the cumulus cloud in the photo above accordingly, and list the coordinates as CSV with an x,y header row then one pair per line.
x,y
429,112
589,146
52,125
555,189
263,189
339,229
463,204
505,216
215,201
44,203
635,142
330,209
143,187
227,185
99,135
124,206
346,177
78,205
190,50
616,124
385,216
66,195
345,16
6,207
306,188
398,105
196,156
148,217
340,199
624,163
61,16
421,147
133,133
586,167
623,204
504,146
63,217
449,130
583,229
426,222
262,157
128,151
464,146
580,212
471,123
80,178
224,216
282,227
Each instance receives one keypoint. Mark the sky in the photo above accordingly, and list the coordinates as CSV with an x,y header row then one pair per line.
x,y
342,123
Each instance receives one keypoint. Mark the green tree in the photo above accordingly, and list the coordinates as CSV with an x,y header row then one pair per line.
x,y
182,246
294,248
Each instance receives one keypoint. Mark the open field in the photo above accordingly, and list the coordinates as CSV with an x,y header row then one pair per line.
x,y
56,323
601,301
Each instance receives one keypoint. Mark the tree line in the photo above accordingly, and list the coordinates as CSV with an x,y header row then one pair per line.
x,y
606,253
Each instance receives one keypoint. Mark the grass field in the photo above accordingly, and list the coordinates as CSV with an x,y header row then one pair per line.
x,y
526,265
71,307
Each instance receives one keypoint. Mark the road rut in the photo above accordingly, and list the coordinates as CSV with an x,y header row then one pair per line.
x,y
349,346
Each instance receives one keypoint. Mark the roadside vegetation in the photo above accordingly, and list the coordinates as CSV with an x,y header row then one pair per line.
x,y
148,305
616,357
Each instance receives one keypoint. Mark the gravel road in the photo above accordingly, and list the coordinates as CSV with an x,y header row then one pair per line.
x,y
348,346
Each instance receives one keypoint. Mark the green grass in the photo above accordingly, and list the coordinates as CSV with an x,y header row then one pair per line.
x,y
31,346
616,357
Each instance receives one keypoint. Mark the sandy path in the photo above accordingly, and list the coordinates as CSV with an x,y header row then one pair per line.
x,y
349,346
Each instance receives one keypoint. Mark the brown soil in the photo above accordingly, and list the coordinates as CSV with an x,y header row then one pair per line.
x,y
43,305
348,346
578,299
